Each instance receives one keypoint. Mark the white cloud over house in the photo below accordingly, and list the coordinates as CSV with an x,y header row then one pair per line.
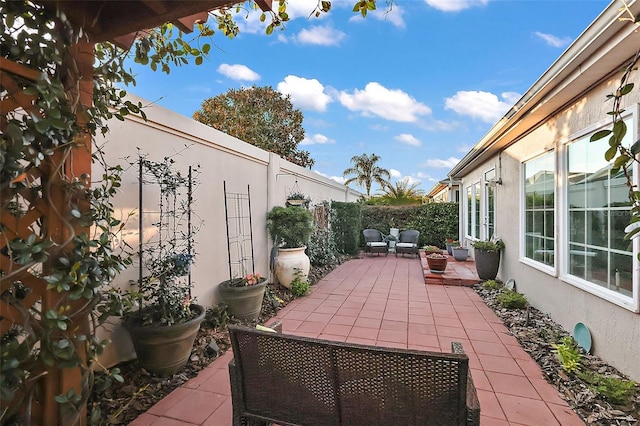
x,y
455,5
306,94
339,179
320,35
390,104
408,139
438,163
552,40
482,105
317,139
238,72
395,173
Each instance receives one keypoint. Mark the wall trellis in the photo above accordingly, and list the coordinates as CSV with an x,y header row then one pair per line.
x,y
237,209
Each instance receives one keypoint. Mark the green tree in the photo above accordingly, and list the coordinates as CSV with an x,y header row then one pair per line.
x,y
260,116
366,172
402,193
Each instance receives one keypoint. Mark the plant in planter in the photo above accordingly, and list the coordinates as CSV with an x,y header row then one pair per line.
x,y
290,229
487,257
297,199
164,325
243,296
450,243
437,262
460,253
432,249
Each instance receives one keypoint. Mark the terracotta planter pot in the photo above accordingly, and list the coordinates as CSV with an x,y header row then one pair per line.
x,y
290,260
243,302
487,264
437,265
165,350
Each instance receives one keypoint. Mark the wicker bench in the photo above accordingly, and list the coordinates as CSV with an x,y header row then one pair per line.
x,y
302,381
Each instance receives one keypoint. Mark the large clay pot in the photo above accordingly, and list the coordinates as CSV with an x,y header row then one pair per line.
x,y
437,263
165,350
288,262
487,263
243,302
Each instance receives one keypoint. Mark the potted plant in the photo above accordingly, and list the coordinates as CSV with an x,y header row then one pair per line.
x,y
437,262
164,325
486,254
450,243
243,296
432,249
460,253
290,229
297,199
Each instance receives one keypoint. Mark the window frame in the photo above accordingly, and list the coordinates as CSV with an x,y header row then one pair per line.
x,y
632,302
472,208
548,269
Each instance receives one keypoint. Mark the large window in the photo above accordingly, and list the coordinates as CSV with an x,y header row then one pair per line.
x,y
490,203
539,204
598,211
473,211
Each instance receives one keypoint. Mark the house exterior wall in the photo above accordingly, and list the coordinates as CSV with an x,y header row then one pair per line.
x,y
221,158
615,330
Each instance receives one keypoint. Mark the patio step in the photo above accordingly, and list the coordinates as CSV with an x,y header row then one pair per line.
x,y
457,273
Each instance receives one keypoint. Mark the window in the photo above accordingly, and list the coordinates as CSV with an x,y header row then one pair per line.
x,y
473,211
490,203
539,205
598,211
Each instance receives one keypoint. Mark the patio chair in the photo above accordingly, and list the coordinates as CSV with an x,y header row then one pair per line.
x,y
408,242
375,242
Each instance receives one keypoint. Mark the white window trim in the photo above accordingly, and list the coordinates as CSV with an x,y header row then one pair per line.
x,y
631,303
468,209
547,269
484,201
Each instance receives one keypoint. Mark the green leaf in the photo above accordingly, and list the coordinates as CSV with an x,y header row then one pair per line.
x,y
599,135
199,60
635,148
611,152
619,130
626,89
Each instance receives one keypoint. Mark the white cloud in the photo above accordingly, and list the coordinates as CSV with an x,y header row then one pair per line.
x,y
238,72
455,5
552,40
395,173
320,35
483,105
317,139
375,99
449,163
408,139
393,16
339,179
411,180
305,93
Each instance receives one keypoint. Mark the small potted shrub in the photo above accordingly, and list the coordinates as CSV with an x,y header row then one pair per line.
x,y
431,249
460,253
487,257
290,229
437,262
243,296
450,243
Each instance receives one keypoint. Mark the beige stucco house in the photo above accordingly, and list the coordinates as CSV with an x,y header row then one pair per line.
x,y
536,181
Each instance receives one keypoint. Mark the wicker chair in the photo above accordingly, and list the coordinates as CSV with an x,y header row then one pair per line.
x,y
408,242
375,242
303,381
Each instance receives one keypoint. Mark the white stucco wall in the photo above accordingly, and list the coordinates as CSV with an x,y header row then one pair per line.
x,y
615,330
221,158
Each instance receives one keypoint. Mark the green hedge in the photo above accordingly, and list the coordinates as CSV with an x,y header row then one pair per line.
x,y
346,226
435,221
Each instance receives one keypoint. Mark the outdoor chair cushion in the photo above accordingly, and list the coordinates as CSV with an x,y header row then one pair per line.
x,y
376,244
406,245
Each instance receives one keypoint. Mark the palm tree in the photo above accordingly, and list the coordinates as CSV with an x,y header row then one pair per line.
x,y
401,189
366,172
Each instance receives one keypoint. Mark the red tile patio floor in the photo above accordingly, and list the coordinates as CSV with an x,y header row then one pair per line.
x,y
384,301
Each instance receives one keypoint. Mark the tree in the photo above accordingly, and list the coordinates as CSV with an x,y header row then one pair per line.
x,y
367,172
402,193
260,116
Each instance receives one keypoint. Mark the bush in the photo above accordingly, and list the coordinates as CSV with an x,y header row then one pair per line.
x,y
509,299
346,225
322,248
568,354
290,227
488,245
491,284
614,389
299,286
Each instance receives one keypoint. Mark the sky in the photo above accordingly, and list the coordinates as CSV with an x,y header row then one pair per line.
x,y
419,85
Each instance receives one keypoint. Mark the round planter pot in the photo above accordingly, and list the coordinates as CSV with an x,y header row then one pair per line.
x,y
437,265
487,264
288,262
243,302
460,254
165,350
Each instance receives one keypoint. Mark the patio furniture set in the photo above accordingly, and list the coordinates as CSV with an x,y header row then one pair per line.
x,y
377,242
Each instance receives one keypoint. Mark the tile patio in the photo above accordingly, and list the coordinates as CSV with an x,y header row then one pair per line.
x,y
384,301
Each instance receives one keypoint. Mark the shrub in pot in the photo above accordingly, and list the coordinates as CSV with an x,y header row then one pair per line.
x,y
487,257
460,253
290,229
437,262
243,296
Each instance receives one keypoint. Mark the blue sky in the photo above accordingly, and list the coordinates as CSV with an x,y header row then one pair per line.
x,y
418,86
